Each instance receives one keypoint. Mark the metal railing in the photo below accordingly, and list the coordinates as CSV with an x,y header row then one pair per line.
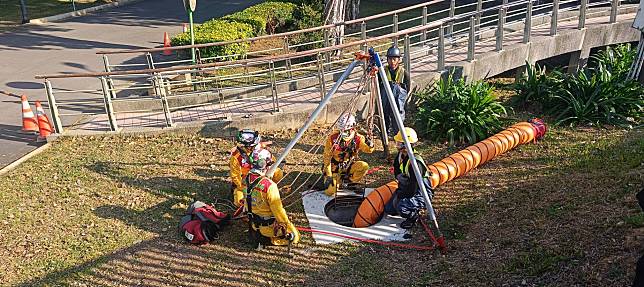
x,y
163,87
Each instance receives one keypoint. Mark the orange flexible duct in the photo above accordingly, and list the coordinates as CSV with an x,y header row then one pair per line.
x,y
471,157
454,166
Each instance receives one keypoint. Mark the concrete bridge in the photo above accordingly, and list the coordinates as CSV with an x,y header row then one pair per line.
x,y
280,84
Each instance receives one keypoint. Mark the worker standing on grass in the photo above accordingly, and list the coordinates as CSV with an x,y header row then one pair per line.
x,y
267,219
341,150
399,81
239,163
408,200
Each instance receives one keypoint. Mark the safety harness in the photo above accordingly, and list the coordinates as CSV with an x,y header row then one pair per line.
x,y
254,218
348,151
243,156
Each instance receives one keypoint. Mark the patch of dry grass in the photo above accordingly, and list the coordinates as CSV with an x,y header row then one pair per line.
x,y
103,211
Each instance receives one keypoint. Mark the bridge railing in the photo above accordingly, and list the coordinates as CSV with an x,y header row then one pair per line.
x,y
427,46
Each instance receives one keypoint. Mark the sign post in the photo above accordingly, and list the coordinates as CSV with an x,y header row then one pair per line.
x,y
191,6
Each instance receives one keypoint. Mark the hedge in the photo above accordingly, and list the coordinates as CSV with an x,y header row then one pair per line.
x,y
258,16
247,23
217,31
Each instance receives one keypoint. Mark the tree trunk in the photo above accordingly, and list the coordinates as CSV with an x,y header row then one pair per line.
x,y
353,9
334,13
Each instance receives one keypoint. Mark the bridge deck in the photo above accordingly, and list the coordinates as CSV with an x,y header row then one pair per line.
x,y
308,98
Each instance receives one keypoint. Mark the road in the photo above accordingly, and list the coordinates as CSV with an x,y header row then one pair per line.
x,y
70,47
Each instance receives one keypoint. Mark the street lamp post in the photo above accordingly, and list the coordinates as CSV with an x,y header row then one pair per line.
x,y
191,6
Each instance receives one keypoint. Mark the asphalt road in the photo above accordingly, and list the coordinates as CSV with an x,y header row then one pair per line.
x,y
70,47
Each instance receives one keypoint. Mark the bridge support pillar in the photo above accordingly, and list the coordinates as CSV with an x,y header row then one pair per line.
x,y
578,60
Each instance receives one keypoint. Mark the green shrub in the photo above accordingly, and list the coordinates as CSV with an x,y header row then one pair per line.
x,y
598,94
306,16
536,86
616,61
265,17
458,112
593,97
217,31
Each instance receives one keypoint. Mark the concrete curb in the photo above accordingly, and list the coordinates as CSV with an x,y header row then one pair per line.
x,y
81,12
19,161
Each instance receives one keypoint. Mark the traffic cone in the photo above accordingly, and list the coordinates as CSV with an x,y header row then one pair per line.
x,y
166,43
29,123
44,126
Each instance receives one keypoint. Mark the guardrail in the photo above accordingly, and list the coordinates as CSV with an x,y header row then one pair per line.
x,y
167,86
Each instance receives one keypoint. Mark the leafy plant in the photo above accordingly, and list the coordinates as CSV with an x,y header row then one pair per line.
x,y
458,112
264,17
614,61
536,86
598,98
217,31
598,94
307,16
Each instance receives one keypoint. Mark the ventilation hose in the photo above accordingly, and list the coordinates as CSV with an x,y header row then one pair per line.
x,y
454,166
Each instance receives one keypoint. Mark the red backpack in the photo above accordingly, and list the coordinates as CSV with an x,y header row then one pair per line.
x,y
201,223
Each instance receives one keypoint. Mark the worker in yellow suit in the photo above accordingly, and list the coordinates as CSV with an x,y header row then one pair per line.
x,y
341,151
239,162
267,219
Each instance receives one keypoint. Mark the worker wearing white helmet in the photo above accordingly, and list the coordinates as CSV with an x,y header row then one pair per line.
x,y
341,155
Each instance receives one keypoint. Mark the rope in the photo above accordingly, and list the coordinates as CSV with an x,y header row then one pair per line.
x,y
350,108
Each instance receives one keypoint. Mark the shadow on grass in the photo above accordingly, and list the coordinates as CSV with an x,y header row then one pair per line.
x,y
509,221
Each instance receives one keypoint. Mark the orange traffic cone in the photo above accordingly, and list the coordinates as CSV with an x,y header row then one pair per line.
x,y
166,43
45,128
29,123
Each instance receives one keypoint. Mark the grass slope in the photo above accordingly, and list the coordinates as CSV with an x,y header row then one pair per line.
x,y
103,212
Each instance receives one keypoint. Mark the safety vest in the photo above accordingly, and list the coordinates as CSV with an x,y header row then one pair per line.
x,y
404,168
347,150
400,74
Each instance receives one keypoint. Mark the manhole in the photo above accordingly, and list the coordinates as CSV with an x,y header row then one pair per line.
x,y
343,209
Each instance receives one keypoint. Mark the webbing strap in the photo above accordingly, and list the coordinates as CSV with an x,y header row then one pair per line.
x,y
249,188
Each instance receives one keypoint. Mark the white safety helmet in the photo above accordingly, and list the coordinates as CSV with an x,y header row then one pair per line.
x,y
261,158
346,122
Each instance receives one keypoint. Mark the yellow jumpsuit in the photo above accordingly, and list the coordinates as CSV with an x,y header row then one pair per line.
x,y
341,153
239,167
268,204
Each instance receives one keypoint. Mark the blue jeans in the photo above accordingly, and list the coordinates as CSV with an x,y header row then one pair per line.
x,y
400,95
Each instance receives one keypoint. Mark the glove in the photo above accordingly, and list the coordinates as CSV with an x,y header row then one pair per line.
x,y
369,142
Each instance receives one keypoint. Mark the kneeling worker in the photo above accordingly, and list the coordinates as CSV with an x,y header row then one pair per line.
x,y
341,153
267,219
240,164
408,200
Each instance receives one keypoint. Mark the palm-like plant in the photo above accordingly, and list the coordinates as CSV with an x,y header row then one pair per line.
x,y
458,112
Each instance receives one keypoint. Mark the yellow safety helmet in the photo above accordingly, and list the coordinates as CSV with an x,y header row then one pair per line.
x,y
412,137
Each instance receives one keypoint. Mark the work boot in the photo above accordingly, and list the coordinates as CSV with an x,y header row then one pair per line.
x,y
409,223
